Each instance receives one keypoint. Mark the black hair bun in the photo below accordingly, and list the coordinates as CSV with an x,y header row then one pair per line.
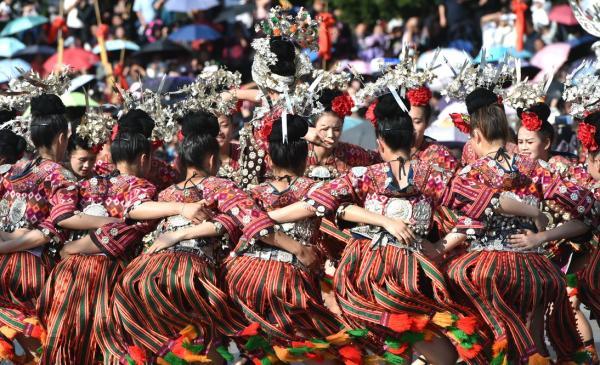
x,y
198,123
7,115
46,104
327,96
593,119
286,56
387,107
480,98
14,141
136,121
542,111
297,127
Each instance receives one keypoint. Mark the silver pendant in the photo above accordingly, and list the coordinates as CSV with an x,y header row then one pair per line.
x,y
17,210
97,210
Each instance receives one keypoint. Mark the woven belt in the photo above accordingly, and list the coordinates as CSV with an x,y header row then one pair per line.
x,y
274,255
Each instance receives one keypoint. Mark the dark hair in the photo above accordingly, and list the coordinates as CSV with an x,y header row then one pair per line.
x,y
594,119
75,142
491,122
327,96
292,154
542,111
195,148
480,98
126,147
47,119
136,121
7,115
394,125
286,56
199,122
12,146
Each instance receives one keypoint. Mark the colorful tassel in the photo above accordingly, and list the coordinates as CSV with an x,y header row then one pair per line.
x,y
173,359
319,344
500,346
537,359
582,357
467,324
393,359
469,353
412,337
193,348
299,351
419,323
6,350
137,354
284,355
571,280
444,319
8,332
225,354
339,338
256,343
351,355
251,330
398,322
189,332
358,333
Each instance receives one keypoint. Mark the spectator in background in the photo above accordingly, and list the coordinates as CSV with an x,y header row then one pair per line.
x,y
5,11
146,11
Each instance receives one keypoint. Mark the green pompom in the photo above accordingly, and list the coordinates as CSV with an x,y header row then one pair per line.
x,y
129,360
412,337
173,359
358,333
318,340
582,357
498,360
265,361
393,343
572,280
194,349
225,354
393,359
256,343
299,351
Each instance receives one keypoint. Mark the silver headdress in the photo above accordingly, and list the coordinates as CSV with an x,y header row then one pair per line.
x,y
205,94
26,87
402,75
583,94
524,94
301,29
331,80
95,127
485,75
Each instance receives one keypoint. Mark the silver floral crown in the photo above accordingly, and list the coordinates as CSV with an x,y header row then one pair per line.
x,y
524,94
486,75
95,127
331,80
20,126
205,94
301,30
402,75
23,89
584,94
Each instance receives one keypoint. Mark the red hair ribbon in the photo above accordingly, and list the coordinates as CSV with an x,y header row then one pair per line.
x,y
586,133
419,96
370,114
342,105
462,122
115,132
531,121
180,136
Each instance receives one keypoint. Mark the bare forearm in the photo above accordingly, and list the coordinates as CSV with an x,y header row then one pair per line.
x,y
84,222
155,210
83,246
292,213
452,240
282,241
517,208
570,229
356,214
206,229
27,241
247,94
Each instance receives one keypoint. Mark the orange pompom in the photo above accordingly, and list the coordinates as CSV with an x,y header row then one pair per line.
x,y
499,346
251,330
178,348
137,354
467,324
399,322
443,319
399,351
419,323
537,359
189,332
338,339
467,354
351,355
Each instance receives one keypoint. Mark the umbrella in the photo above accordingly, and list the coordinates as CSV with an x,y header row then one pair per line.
x,y
8,46
359,132
80,81
164,47
443,129
581,47
563,14
231,12
32,51
170,84
443,71
184,6
22,24
551,57
77,58
10,69
76,99
117,45
498,53
195,32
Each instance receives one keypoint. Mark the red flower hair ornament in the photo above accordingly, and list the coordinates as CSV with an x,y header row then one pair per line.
x,y
586,133
531,121
462,122
419,96
342,105
370,114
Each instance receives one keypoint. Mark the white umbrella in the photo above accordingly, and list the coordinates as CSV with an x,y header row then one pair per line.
x,y
444,73
443,129
359,132
79,81
10,69
183,6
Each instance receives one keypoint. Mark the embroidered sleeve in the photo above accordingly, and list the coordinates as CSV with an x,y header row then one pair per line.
x,y
115,239
471,197
162,175
103,167
63,197
355,155
440,156
350,188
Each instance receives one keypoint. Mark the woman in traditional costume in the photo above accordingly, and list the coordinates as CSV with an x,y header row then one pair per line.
x,y
81,156
74,305
169,306
528,282
274,287
39,201
229,150
12,149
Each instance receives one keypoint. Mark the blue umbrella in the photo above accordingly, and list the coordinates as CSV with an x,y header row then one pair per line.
x,y
10,69
195,32
8,46
117,45
36,50
498,53
22,24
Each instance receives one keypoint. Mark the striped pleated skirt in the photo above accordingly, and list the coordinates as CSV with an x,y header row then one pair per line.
x,y
506,287
21,282
158,297
284,299
589,283
74,308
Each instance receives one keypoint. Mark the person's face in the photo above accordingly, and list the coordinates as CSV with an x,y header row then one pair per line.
x,y
593,165
329,125
82,162
225,131
419,119
531,144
